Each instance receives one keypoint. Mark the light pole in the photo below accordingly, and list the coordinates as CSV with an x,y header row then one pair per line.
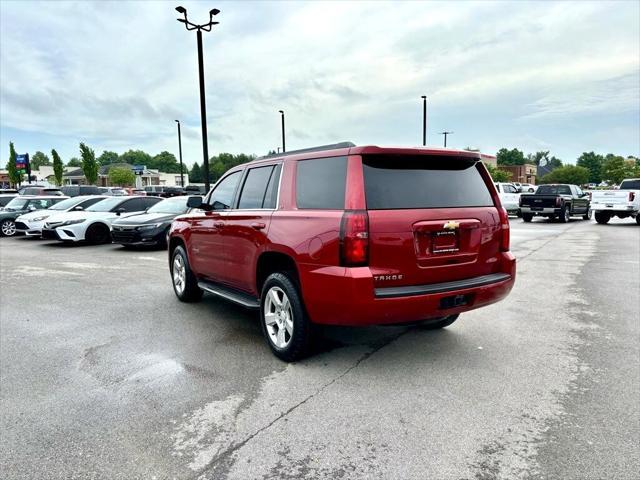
x,y
203,108
282,118
424,120
180,152
445,133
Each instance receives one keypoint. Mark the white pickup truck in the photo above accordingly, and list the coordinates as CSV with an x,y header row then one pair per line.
x,y
621,203
509,197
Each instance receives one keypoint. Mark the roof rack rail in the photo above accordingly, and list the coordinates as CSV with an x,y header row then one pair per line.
x,y
320,148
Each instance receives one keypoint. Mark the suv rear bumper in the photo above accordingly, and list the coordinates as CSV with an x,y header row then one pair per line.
x,y
347,296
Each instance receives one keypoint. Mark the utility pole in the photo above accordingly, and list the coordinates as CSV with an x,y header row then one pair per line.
x,y
445,133
424,120
180,152
282,118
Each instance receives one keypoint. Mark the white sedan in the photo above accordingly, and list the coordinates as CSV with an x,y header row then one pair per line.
x,y
31,223
94,223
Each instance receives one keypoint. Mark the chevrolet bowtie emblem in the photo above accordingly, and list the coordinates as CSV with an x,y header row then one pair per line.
x,y
451,225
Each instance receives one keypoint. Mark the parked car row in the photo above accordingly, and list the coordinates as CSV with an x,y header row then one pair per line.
x,y
96,219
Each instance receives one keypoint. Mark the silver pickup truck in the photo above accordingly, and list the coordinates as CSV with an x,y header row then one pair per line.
x,y
621,203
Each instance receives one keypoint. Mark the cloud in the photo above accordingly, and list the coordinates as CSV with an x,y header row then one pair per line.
x,y
119,73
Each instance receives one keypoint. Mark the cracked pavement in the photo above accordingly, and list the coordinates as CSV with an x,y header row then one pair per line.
x,y
104,374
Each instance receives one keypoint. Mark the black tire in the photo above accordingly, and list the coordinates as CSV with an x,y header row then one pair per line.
x,y
638,219
587,216
299,340
187,290
97,234
602,218
565,214
439,323
527,217
8,228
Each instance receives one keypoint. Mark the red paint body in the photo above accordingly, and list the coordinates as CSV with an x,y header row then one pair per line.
x,y
225,247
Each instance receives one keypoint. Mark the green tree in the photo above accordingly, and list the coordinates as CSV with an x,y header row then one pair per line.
x,y
592,162
510,157
74,162
121,176
135,157
567,174
616,168
15,178
165,162
195,176
108,158
58,168
38,159
497,174
89,164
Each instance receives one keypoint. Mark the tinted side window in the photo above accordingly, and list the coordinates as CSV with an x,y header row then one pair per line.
x,y
320,183
133,205
222,195
255,187
397,182
89,202
149,202
271,197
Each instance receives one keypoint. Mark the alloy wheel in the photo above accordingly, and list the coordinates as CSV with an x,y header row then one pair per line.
x,y
278,317
179,274
8,228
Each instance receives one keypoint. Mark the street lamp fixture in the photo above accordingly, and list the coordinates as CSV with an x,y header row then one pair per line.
x,y
203,108
180,152
282,118
445,133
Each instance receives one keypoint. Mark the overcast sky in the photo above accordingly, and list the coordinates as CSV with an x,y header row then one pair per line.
x,y
562,76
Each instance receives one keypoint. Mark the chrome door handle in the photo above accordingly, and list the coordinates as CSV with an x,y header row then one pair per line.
x,y
258,225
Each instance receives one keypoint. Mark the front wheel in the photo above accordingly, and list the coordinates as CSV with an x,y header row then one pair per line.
x,y
602,218
439,323
527,217
185,284
284,321
8,228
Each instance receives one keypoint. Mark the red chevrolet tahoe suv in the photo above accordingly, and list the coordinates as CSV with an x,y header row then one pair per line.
x,y
347,235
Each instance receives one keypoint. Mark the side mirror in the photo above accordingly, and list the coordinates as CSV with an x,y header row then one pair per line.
x,y
194,202
31,208
78,208
120,211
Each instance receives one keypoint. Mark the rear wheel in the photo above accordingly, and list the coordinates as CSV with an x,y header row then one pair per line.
x,y
8,228
638,219
284,321
565,213
527,217
439,323
185,284
98,234
587,216
602,217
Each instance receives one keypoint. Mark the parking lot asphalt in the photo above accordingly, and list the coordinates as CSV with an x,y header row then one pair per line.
x,y
105,375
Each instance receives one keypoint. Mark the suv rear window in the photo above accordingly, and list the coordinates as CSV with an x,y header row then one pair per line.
x,y
404,182
320,183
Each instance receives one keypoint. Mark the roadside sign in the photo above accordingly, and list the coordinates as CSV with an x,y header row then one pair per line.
x,y
139,169
22,163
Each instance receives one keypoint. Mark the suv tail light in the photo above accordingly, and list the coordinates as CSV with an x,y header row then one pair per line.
x,y
632,196
354,238
505,238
